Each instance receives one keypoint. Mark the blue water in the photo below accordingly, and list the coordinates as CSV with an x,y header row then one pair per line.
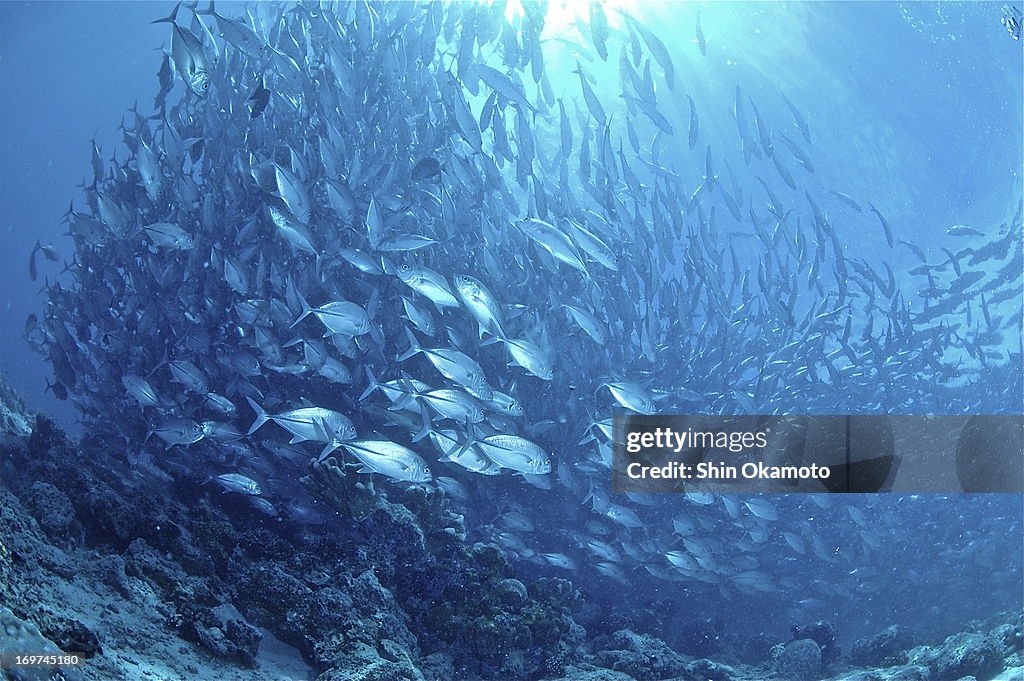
x,y
913,107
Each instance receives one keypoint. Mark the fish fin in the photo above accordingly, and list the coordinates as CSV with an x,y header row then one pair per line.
x,y
162,362
471,438
328,449
376,334
414,346
490,341
425,428
296,439
370,388
402,402
261,416
306,309
170,18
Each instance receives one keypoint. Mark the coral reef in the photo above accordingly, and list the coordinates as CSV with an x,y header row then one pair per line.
x,y
963,654
885,649
149,579
642,657
824,634
800,659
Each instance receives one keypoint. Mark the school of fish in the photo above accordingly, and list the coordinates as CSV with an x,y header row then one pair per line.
x,y
376,232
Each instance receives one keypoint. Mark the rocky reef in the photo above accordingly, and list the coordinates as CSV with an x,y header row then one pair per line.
x,y
146,578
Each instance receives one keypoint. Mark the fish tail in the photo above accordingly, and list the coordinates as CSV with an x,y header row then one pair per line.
x,y
472,435
414,346
496,338
426,427
590,493
170,18
329,449
261,416
306,309
371,387
376,334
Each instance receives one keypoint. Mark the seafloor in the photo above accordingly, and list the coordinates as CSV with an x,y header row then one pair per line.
x,y
159,579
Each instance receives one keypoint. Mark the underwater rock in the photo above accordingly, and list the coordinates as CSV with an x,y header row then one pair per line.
x,y
900,673
23,547
15,419
799,659
700,637
885,649
51,508
699,670
47,435
824,634
642,657
556,662
963,654
18,636
380,616
438,667
277,600
142,560
72,636
756,649
364,663
586,672
1011,636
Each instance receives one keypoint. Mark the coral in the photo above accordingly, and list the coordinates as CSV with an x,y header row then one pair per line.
x,y
364,663
963,654
14,417
142,560
1011,636
799,659
701,670
72,636
51,508
237,641
756,649
900,673
643,657
699,637
824,634
885,649
277,600
587,672
557,660
390,594
19,636
438,667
